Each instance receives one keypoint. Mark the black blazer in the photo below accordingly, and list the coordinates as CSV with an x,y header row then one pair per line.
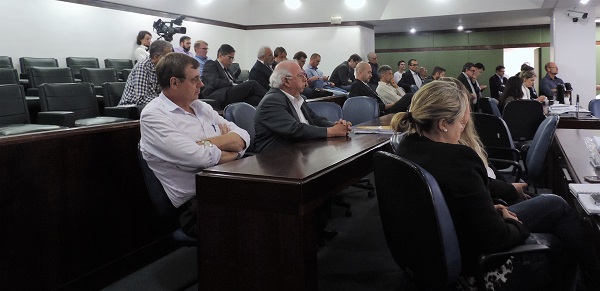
x,y
407,80
496,86
374,77
462,177
358,88
261,73
342,75
277,123
214,78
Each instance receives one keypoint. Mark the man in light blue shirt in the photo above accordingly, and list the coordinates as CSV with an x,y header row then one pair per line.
x,y
201,49
316,79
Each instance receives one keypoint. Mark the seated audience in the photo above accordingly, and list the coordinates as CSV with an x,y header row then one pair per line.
x,y
436,74
316,79
220,84
300,58
343,75
185,44
361,87
401,69
201,49
372,59
497,82
528,78
434,123
411,77
512,91
387,89
261,71
143,39
550,81
280,56
423,73
142,85
181,135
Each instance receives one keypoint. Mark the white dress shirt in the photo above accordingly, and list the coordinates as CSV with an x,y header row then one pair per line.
x,y
526,92
141,53
417,78
168,143
297,103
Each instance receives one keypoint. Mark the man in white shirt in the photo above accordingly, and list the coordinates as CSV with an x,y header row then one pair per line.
x,y
401,70
181,135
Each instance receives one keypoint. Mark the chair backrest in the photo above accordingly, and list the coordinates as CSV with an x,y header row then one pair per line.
x,y
523,118
494,133
242,114
118,64
125,74
77,64
594,107
329,110
416,221
490,106
27,62
113,91
41,75
157,193
9,76
539,147
76,97
98,76
13,107
6,62
360,109
235,70
244,75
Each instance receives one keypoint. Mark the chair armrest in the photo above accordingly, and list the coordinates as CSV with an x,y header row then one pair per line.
x,y
130,112
211,102
33,92
60,118
516,166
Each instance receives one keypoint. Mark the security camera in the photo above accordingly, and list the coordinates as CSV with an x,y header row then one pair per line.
x,y
576,15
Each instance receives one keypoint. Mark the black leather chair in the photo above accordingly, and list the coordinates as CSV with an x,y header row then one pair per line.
x,y
6,62
418,227
119,65
125,73
113,91
490,106
98,77
41,75
162,203
71,104
9,76
242,114
523,118
77,64
27,62
14,116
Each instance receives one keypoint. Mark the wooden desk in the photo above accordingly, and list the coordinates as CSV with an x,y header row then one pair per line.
x,y
256,219
579,123
570,164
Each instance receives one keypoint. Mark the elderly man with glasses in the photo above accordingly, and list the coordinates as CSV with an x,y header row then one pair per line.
x,y
220,84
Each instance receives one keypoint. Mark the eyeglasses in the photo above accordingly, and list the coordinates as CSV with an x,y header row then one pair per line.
x,y
413,65
230,58
301,76
194,80
204,48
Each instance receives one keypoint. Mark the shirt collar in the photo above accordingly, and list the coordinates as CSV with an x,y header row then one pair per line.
x,y
172,107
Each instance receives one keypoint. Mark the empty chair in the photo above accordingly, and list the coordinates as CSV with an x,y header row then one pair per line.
x,y
14,116
118,65
523,118
490,106
125,73
8,76
41,75
76,102
77,64
98,77
6,62
329,110
113,92
242,114
537,151
161,201
419,229
594,107
244,75
27,62
359,109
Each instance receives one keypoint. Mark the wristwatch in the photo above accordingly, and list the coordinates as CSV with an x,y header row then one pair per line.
x,y
206,143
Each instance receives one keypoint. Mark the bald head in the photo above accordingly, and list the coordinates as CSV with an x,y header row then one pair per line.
x,y
363,71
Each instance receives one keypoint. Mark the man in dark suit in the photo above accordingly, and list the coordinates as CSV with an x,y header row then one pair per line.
x,y
220,84
497,82
466,77
372,58
261,71
283,117
343,75
411,77
361,87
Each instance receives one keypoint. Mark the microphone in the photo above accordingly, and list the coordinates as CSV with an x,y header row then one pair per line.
x,y
577,107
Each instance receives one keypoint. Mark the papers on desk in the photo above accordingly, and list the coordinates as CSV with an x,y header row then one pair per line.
x,y
577,189
588,196
565,110
383,129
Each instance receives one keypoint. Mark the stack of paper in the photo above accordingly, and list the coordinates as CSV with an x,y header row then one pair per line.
x,y
585,194
384,129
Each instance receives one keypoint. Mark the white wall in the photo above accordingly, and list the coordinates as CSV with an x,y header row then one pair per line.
x,y
515,57
60,29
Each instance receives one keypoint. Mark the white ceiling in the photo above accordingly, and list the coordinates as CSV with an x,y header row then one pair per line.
x,y
385,15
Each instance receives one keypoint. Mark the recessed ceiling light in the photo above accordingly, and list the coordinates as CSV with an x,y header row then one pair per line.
x,y
293,4
203,2
460,28
584,1
355,4
412,30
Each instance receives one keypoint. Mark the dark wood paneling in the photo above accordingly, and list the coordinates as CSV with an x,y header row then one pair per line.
x,y
72,201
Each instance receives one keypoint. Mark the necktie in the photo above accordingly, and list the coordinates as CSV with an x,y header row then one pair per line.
x,y
228,75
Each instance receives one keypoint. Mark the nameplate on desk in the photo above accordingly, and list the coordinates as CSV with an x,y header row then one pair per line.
x,y
383,129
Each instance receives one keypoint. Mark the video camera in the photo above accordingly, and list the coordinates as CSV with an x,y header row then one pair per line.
x,y
167,31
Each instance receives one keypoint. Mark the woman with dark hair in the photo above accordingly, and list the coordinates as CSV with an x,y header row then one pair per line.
x,y
512,91
434,124
143,40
